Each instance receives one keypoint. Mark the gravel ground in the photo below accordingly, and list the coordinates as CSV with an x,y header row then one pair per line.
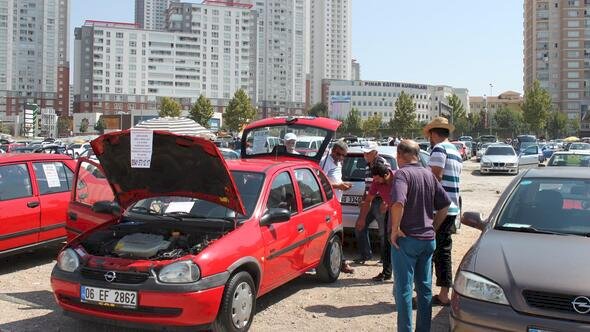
x,y
353,303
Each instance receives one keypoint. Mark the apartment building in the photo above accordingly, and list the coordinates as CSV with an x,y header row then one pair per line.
x,y
557,53
508,99
356,70
330,50
151,14
34,60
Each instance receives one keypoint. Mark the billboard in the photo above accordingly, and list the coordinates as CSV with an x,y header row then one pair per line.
x,y
339,107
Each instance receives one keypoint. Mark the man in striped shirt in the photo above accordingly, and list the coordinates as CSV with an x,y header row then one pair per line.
x,y
446,165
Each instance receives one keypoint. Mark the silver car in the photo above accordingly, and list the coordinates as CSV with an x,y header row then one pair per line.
x,y
501,158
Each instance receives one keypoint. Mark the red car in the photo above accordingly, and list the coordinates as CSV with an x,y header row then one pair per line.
x,y
199,238
34,195
462,148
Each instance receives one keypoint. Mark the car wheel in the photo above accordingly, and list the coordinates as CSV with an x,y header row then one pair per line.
x,y
329,269
237,305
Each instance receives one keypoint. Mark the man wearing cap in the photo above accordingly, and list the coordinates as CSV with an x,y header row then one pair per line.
x,y
446,165
290,141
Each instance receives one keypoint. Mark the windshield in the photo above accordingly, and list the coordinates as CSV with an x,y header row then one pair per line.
x,y
249,185
579,160
354,167
580,146
487,138
549,204
526,138
285,139
500,151
485,146
525,145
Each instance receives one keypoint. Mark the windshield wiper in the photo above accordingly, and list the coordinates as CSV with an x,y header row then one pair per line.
x,y
150,211
528,229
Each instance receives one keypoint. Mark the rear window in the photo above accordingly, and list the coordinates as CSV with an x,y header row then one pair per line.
x,y
354,167
500,151
575,160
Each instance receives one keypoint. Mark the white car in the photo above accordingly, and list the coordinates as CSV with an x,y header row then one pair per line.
x,y
307,144
482,150
501,158
579,146
79,148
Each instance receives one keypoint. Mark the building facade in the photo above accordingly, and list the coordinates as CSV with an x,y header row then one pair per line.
x,y
556,52
379,97
330,49
151,14
34,65
356,70
509,99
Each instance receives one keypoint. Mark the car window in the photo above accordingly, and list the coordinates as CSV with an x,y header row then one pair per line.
x,y
569,160
309,188
282,194
325,184
353,168
92,186
15,182
53,177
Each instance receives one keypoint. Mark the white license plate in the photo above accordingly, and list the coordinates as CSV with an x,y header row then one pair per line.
x,y
108,297
534,329
351,200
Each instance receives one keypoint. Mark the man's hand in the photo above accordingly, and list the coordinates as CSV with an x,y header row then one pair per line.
x,y
360,224
346,186
383,208
395,235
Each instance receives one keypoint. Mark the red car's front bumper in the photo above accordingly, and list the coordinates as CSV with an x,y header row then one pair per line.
x,y
155,309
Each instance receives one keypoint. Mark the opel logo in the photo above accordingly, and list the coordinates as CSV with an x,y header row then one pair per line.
x,y
110,276
581,304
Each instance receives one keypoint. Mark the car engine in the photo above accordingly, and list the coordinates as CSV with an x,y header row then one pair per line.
x,y
140,245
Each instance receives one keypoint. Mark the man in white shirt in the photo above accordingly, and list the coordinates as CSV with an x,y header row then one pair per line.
x,y
290,142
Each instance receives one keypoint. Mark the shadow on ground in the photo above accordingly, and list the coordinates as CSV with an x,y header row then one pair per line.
x,y
380,308
27,260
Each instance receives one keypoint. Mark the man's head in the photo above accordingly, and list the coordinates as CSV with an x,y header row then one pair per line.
x,y
290,140
380,173
408,152
339,150
438,130
370,151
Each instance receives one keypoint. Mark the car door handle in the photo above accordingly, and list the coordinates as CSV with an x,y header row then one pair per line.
x,y
300,228
33,204
72,216
328,218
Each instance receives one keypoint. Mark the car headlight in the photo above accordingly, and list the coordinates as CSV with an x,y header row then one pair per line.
x,y
180,272
486,164
68,260
510,164
471,285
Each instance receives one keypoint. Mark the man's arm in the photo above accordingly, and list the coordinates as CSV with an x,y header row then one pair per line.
x,y
438,172
365,206
396,211
438,159
439,217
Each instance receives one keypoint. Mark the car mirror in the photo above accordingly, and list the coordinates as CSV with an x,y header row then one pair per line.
x,y
275,215
107,207
473,219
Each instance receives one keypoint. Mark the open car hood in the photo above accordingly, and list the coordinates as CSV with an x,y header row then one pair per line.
x,y
180,166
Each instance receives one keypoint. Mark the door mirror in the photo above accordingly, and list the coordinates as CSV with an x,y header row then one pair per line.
x,y
473,219
107,208
275,215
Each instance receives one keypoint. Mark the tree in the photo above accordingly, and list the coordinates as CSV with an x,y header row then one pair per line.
x,y
100,125
536,107
557,124
239,111
573,127
353,122
404,119
473,123
4,129
202,111
319,109
510,120
169,107
457,109
84,125
371,125
64,125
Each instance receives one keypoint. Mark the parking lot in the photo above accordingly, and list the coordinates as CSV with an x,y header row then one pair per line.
x,y
353,303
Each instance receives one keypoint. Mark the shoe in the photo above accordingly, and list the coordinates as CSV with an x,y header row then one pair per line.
x,y
436,301
345,268
381,277
360,261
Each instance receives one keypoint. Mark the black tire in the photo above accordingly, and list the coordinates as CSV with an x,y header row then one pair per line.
x,y
329,269
240,292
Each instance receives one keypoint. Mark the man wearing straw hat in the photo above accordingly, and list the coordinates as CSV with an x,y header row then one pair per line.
x,y
446,165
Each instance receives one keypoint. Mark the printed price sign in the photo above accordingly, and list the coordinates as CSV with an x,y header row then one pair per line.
x,y
51,176
141,148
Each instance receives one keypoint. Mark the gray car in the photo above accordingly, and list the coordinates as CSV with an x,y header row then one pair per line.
x,y
529,269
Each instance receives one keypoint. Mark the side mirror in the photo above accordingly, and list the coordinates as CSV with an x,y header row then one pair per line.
x,y
273,216
473,219
107,207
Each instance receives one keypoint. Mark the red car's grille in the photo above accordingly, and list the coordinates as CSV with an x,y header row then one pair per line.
x,y
550,301
140,311
121,277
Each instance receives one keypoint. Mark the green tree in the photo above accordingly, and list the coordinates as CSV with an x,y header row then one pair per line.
x,y
84,125
353,122
510,120
557,124
457,108
239,111
404,119
536,107
4,129
64,125
318,110
202,111
473,123
372,124
169,107
100,125
573,127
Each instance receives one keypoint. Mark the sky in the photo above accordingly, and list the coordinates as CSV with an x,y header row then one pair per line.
x,y
461,43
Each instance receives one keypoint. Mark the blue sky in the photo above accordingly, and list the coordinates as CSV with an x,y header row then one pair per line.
x,y
462,43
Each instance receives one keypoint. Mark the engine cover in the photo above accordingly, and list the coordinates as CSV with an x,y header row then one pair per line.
x,y
140,245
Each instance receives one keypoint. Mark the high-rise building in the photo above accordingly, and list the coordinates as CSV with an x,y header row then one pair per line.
x,y
556,48
281,57
151,14
356,70
330,49
34,65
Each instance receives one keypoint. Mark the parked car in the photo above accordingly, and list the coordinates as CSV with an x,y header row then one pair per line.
x,y
229,154
501,158
465,138
549,149
462,148
199,238
308,144
78,148
544,214
579,146
34,193
470,148
482,150
570,158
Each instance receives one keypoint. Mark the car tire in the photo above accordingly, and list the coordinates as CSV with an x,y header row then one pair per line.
x,y
329,269
237,305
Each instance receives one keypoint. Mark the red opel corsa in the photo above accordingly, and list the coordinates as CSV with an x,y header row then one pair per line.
x,y
197,239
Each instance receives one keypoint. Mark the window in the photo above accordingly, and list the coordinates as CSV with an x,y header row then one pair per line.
x,y
282,195
53,177
325,184
14,182
309,188
92,185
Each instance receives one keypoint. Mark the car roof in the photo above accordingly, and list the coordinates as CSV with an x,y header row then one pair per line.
x,y
266,165
16,157
500,144
383,150
572,152
558,172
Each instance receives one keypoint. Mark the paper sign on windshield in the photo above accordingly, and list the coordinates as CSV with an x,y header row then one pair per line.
x,y
51,175
141,148
259,143
180,207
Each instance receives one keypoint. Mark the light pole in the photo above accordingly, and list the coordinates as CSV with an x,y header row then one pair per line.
x,y
490,117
